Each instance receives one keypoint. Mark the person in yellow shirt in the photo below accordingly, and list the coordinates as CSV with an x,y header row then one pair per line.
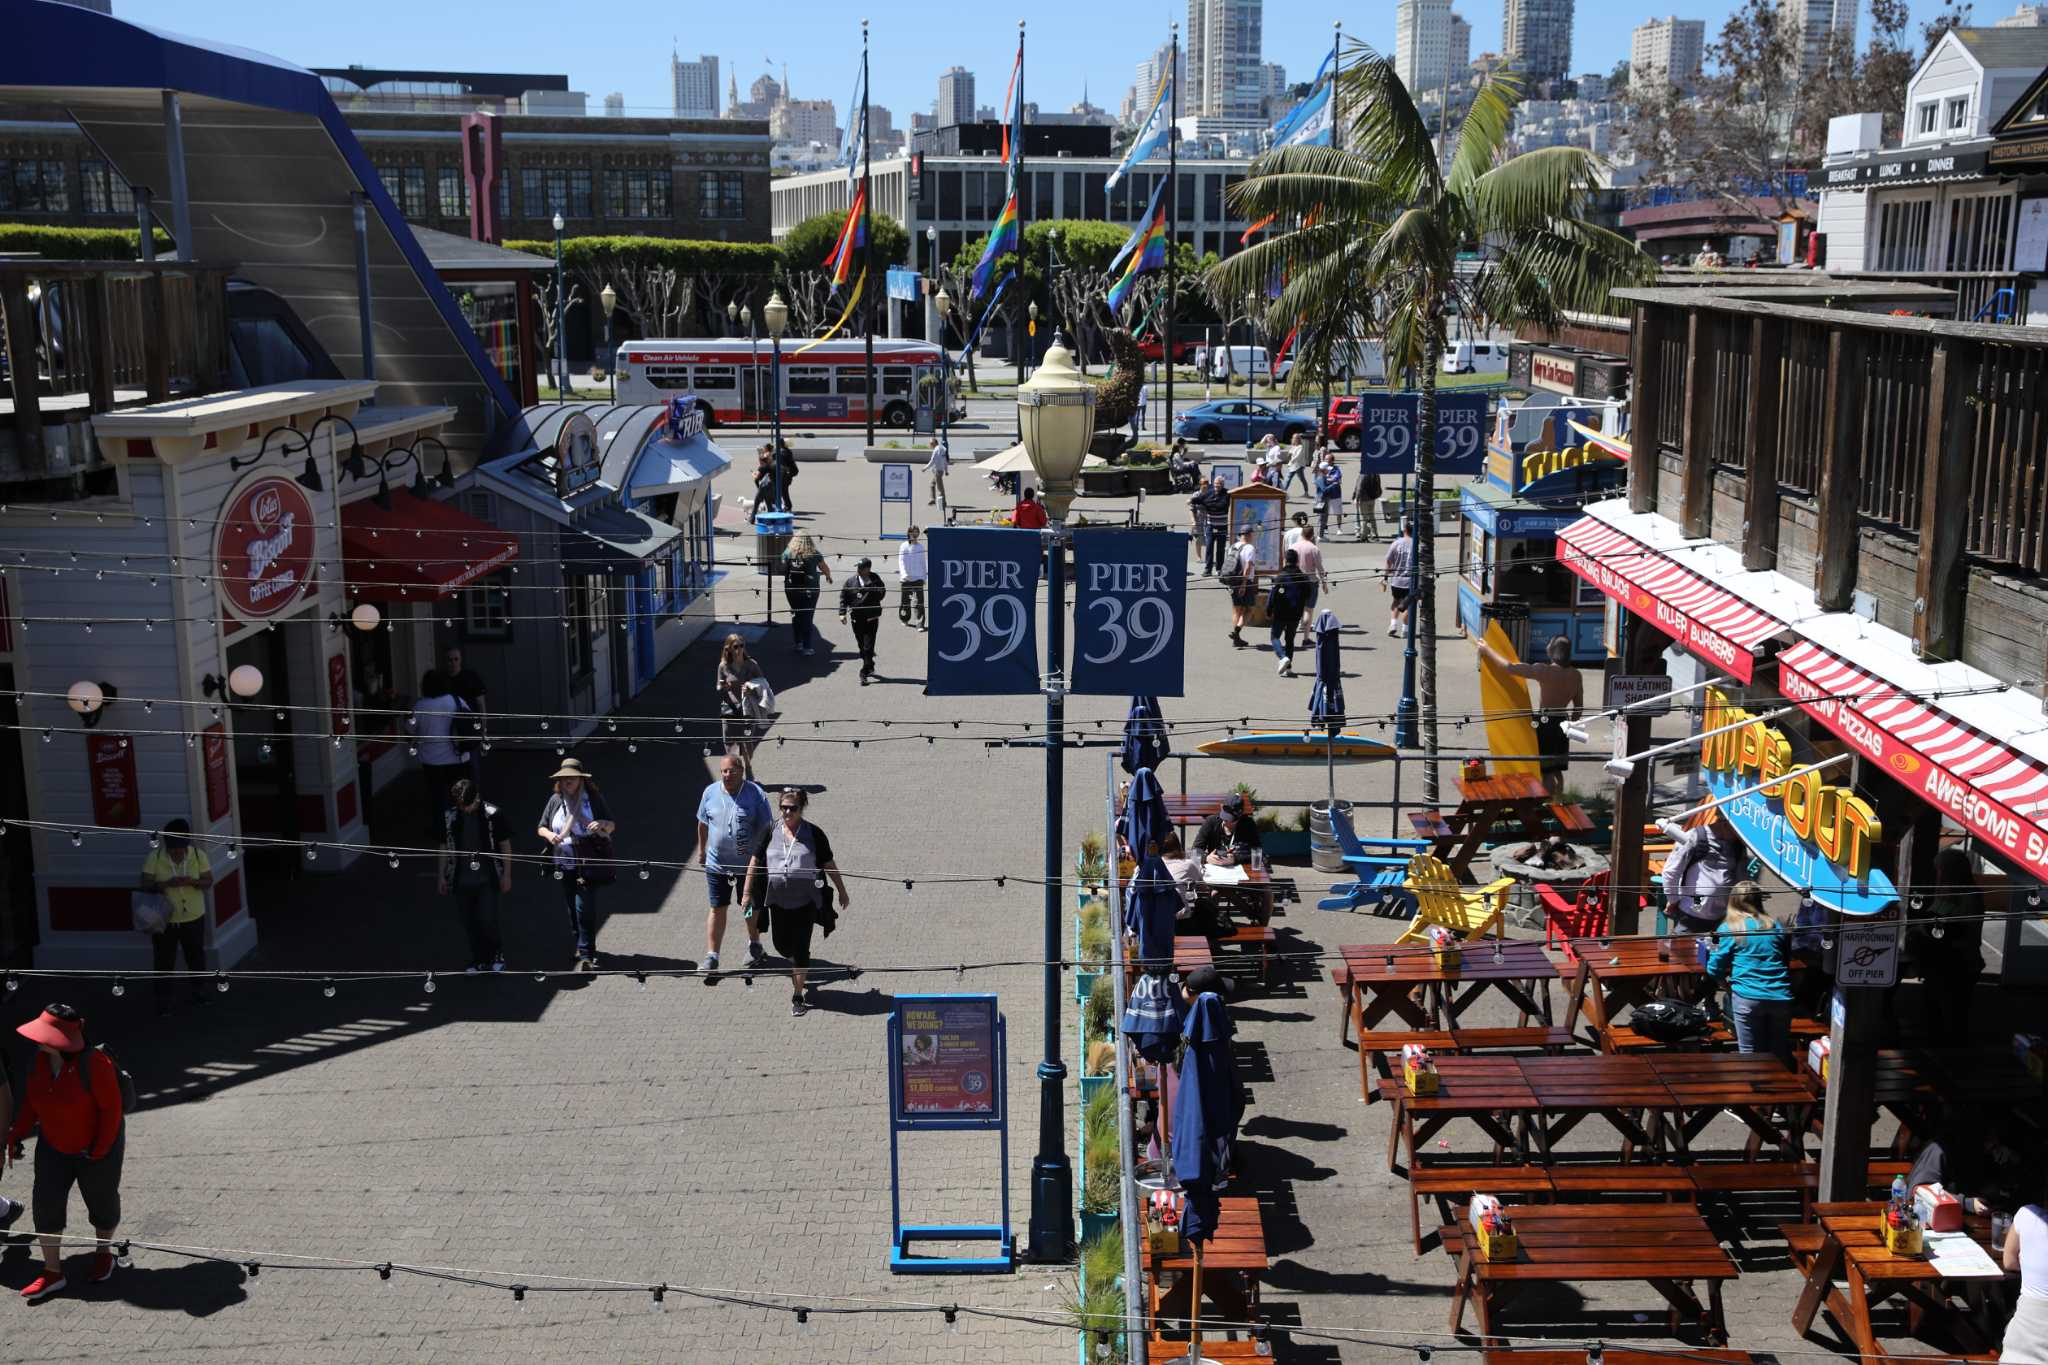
x,y
180,873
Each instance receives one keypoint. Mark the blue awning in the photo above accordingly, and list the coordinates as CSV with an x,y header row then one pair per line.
x,y
671,466
614,533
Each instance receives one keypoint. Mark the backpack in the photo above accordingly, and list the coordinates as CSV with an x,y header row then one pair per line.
x,y
122,1079
1669,1021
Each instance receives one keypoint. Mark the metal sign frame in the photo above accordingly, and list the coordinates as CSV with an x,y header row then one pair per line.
x,y
901,1234
896,486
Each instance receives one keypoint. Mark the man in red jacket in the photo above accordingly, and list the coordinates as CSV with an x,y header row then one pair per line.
x,y
72,1101
1030,512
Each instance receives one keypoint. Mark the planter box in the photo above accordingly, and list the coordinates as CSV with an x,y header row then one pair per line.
x,y
1105,483
1093,1223
1152,481
894,455
1084,983
815,454
1284,843
1090,1085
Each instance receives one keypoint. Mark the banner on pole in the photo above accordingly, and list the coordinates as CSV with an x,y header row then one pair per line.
x,y
984,633
1387,432
1130,613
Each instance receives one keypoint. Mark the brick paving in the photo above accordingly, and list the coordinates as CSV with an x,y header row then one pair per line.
x,y
698,1134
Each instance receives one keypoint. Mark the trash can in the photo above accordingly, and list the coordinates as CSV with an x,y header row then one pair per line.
x,y
772,531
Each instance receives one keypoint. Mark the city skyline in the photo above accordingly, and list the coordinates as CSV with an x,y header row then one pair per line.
x,y
1074,47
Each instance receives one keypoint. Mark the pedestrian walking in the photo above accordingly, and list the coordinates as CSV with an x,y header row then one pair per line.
x,y
468,687
860,602
1243,581
731,814
1329,493
913,564
2026,1251
71,1101
476,869
941,460
433,739
1183,471
1750,951
764,481
1138,413
577,825
786,466
738,728
1310,553
180,873
802,567
1400,576
1367,495
1029,514
794,857
1300,459
1211,510
1285,602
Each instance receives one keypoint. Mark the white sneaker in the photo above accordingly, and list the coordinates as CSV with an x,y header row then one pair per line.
x,y
1393,630
1281,667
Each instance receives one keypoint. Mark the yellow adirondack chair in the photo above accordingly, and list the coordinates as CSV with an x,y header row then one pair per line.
x,y
1440,899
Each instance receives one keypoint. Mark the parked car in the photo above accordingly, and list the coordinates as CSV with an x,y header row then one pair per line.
x,y
1476,357
1240,420
1343,422
1228,362
1151,347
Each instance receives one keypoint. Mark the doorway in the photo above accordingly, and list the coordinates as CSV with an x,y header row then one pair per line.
x,y
266,768
18,930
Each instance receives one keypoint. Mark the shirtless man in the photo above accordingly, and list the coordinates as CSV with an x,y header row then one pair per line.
x,y
1561,696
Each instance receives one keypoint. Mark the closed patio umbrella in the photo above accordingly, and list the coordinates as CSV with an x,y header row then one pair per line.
x,y
1145,743
1206,1109
1151,905
1326,698
1144,821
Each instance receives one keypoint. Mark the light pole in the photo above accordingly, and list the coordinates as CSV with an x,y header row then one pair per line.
x,y
609,297
561,338
1407,715
1056,422
1252,301
944,303
771,531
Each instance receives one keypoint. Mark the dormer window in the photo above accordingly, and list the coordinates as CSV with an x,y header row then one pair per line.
x,y
1927,116
1958,112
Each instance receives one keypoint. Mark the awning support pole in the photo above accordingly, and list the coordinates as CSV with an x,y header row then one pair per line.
x,y
360,204
174,158
145,225
1642,645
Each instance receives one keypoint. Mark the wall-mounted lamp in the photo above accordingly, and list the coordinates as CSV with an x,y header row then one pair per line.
x,y
295,441
244,681
89,699
365,618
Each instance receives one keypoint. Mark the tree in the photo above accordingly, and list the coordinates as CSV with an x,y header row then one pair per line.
x,y
1381,216
812,240
549,317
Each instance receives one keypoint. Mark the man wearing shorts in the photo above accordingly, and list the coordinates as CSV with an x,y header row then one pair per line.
x,y
730,815
1561,696
1400,578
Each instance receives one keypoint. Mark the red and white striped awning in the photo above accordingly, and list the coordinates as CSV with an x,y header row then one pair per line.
x,y
1691,608
1990,786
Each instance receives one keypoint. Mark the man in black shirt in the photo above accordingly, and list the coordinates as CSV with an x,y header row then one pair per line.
x,y
1228,835
476,868
1212,518
860,601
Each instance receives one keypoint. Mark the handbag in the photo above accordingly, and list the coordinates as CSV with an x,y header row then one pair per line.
x,y
151,911
597,849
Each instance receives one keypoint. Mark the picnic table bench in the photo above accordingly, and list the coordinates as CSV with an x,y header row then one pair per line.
x,y
1845,1238
1668,1246
1233,1262
1512,803
1610,975
1457,1041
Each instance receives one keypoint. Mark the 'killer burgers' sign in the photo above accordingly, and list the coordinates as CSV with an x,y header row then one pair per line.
x,y
263,549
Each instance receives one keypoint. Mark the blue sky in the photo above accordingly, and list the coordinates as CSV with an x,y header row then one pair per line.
x,y
623,45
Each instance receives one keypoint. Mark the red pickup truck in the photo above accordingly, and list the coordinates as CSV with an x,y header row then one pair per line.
x,y
1343,422
1152,348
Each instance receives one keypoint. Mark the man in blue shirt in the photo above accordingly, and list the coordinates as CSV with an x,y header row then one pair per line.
x,y
730,815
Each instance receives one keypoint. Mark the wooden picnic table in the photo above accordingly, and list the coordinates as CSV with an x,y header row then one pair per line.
x,y
1624,1091
1915,1085
1668,1246
1517,803
1611,975
1190,953
1189,808
1233,1262
1490,1092
1853,1246
1377,980
1752,1087
1252,897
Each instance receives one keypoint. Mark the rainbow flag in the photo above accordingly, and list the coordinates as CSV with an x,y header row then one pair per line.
x,y
853,235
1146,249
1001,238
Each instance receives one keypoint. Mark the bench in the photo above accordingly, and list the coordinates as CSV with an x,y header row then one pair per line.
x,y
1719,1178
1247,937
1457,1041
1174,1345
1451,1185
1571,817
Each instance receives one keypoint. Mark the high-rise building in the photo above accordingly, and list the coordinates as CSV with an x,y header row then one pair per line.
x,y
1667,49
615,105
956,97
2026,16
805,121
696,86
1816,24
1145,84
1461,50
1225,40
1424,55
1536,38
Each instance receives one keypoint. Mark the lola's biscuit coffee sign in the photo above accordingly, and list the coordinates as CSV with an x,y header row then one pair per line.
x,y
263,549
1813,835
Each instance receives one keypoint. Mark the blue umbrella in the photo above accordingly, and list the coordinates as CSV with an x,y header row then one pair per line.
x,y
1145,744
1151,905
1326,698
1152,1017
1206,1110
1144,820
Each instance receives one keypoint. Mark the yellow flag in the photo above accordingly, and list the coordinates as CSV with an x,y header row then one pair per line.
x,y
1510,726
852,302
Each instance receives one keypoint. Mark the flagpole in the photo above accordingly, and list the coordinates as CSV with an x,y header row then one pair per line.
x,y
1016,111
867,213
1329,352
1172,220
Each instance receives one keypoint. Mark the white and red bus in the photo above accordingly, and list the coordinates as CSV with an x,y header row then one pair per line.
x,y
827,385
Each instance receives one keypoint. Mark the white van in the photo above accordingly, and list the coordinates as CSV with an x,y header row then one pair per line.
x,y
1476,357
1226,362
1358,361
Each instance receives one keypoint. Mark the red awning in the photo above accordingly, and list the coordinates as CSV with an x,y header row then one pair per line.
x,y
1709,620
416,550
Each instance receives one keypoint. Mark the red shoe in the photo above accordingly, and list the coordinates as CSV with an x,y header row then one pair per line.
x,y
43,1286
102,1267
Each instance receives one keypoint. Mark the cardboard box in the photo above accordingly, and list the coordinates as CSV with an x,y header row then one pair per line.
x,y
1937,1209
1817,1056
1498,1243
1418,1069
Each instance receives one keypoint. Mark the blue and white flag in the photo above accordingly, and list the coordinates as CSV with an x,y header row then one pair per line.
x,y
1308,123
1153,130
852,140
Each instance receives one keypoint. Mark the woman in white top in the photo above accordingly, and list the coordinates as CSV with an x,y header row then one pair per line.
x,y
1299,458
433,739
2026,1250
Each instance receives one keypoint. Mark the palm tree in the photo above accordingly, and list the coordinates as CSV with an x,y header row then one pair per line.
x,y
1382,225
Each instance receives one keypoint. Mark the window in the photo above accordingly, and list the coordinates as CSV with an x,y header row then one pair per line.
x,y
1092,187
720,377
895,381
973,204
579,194
636,194
35,186
544,193
808,379
949,194
669,377
407,186
1902,229
854,380
1958,111
532,203
454,193
1926,117
486,608
1042,209
579,603
1979,233
721,194
1212,198
1070,194
103,190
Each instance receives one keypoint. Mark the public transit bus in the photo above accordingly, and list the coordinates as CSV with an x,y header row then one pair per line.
x,y
827,385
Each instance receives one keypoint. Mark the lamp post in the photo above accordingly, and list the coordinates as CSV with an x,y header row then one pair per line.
x,y
1055,422
1252,303
561,338
776,315
732,312
944,303
609,297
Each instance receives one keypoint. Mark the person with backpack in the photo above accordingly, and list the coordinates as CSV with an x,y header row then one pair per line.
x,y
577,825
73,1101
476,868
1285,601
861,599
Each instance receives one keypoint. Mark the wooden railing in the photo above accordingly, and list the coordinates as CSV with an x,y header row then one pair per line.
x,y
1931,428
83,337
1993,296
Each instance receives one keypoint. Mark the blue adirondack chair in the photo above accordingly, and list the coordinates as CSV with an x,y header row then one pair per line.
x,y
1381,877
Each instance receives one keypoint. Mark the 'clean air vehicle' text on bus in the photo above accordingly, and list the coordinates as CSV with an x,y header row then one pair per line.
x,y
825,386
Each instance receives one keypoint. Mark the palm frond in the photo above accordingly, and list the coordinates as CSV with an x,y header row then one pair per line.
x,y
1581,264
1484,130
1386,129
1294,182
1530,190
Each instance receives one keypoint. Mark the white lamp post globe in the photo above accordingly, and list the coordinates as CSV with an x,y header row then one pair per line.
x,y
775,313
1056,419
246,680
559,224
365,616
85,697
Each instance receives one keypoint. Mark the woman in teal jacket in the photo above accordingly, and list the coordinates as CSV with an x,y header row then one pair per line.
x,y
1750,952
